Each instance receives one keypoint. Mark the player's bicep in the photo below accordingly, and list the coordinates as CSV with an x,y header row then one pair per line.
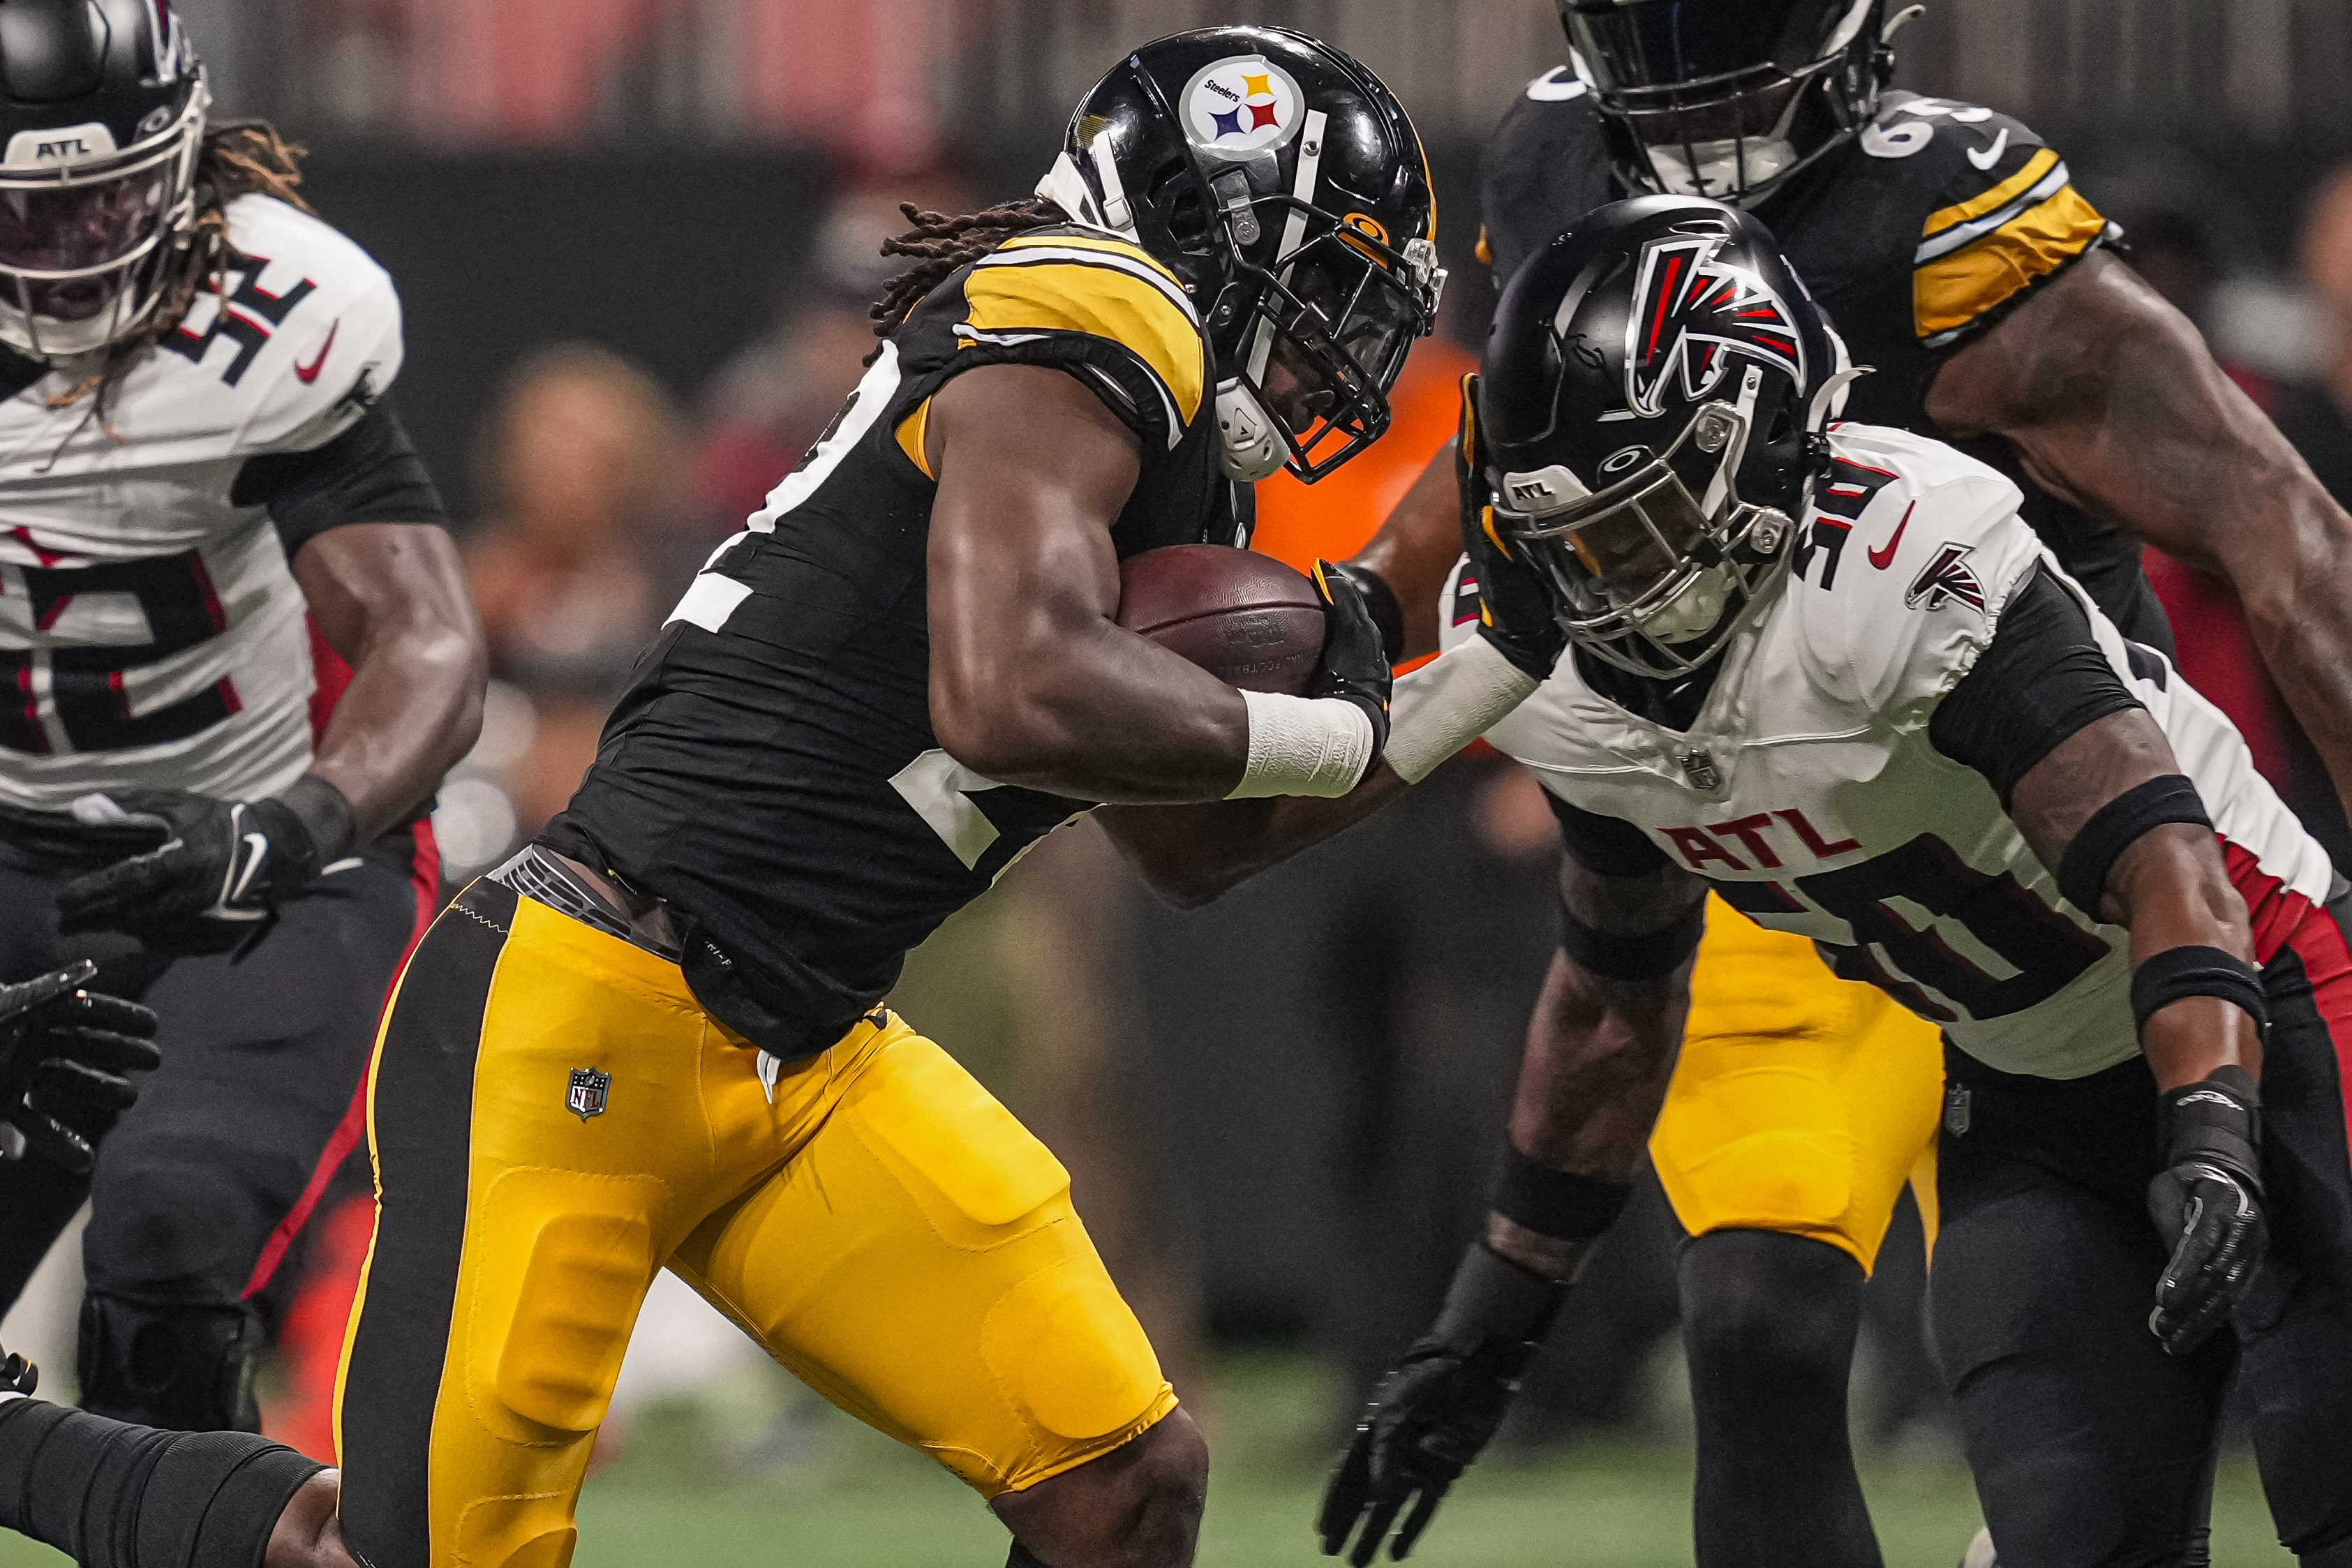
x,y
1032,469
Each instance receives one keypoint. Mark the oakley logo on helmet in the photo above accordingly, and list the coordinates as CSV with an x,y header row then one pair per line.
x,y
1241,107
1691,316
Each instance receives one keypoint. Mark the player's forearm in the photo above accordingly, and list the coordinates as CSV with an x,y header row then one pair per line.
x,y
2171,890
412,712
1415,549
1095,714
1191,854
2114,403
391,598
2297,594
1600,1055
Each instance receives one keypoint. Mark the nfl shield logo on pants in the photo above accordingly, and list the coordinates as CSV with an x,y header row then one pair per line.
x,y
589,1088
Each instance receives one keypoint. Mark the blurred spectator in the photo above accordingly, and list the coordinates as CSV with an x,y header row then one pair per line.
x,y
770,403
577,560
2317,415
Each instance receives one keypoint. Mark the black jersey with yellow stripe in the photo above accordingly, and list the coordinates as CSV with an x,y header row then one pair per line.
x,y
1922,231
771,771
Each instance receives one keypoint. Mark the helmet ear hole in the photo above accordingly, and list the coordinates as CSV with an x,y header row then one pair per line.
x,y
1176,195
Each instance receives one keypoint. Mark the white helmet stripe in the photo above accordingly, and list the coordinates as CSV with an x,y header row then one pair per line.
x,y
1302,189
1115,209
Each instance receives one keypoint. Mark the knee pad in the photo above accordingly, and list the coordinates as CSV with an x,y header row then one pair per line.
x,y
1770,1306
184,1368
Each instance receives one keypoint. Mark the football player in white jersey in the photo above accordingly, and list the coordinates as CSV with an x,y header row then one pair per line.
x,y
239,655
1934,756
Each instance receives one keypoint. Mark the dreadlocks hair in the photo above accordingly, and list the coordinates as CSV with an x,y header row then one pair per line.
x,y
239,158
939,245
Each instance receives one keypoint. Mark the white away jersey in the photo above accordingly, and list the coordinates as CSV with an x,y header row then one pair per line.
x,y
1807,791
150,633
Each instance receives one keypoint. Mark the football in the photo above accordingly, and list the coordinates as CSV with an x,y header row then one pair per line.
x,y
1245,618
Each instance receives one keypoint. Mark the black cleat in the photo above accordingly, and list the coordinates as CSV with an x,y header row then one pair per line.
x,y
18,1375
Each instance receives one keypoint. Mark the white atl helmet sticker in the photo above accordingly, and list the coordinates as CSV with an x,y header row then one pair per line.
x,y
1241,107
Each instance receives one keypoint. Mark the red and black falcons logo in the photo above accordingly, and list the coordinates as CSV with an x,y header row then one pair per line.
x,y
1946,576
1691,315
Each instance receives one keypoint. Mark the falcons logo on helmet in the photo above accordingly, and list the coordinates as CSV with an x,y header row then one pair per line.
x,y
1691,316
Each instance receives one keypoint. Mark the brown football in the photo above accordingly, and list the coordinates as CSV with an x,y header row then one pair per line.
x,y
1245,618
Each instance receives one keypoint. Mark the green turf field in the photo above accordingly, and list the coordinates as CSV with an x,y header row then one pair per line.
x,y
702,1487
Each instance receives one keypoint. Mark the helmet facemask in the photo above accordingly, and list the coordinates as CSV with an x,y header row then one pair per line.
x,y
1322,336
86,243
1710,105
1653,572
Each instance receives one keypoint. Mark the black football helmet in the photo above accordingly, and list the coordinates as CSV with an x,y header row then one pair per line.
x,y
1286,189
1728,97
1651,400
103,108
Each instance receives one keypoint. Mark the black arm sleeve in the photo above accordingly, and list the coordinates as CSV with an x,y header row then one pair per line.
x,y
370,474
2041,679
1608,846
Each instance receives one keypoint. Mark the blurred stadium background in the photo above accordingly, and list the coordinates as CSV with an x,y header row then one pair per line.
x,y
636,239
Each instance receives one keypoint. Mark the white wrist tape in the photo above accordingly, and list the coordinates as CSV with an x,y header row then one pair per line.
x,y
1304,746
1448,703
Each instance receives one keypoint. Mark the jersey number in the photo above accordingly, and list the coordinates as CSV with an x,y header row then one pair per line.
x,y
175,594
2045,950
941,790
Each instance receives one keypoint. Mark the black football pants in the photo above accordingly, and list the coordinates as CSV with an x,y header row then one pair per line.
x,y
201,1189
2092,1448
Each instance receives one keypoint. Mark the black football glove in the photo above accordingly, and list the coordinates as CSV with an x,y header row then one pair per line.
x,y
1430,1416
61,1046
1517,613
2206,1203
1355,665
223,867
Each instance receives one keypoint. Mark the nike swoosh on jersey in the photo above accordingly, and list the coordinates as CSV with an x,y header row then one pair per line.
x,y
310,372
1883,558
1990,155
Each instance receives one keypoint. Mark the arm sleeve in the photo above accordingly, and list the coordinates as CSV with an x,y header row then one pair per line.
x,y
370,474
2000,229
2041,678
1607,846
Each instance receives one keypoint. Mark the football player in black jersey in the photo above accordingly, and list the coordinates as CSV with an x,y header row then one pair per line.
x,y
656,1039
1952,251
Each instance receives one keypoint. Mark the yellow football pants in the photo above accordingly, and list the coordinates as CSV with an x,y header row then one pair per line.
x,y
555,1118
1802,1103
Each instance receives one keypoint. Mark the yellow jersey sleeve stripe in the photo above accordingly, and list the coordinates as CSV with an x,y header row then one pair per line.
x,y
1951,292
913,432
1108,301
1117,247
2001,195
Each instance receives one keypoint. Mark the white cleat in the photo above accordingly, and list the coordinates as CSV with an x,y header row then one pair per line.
x,y
1980,1553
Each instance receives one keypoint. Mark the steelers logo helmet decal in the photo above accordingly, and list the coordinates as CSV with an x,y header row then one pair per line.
x,y
1242,106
